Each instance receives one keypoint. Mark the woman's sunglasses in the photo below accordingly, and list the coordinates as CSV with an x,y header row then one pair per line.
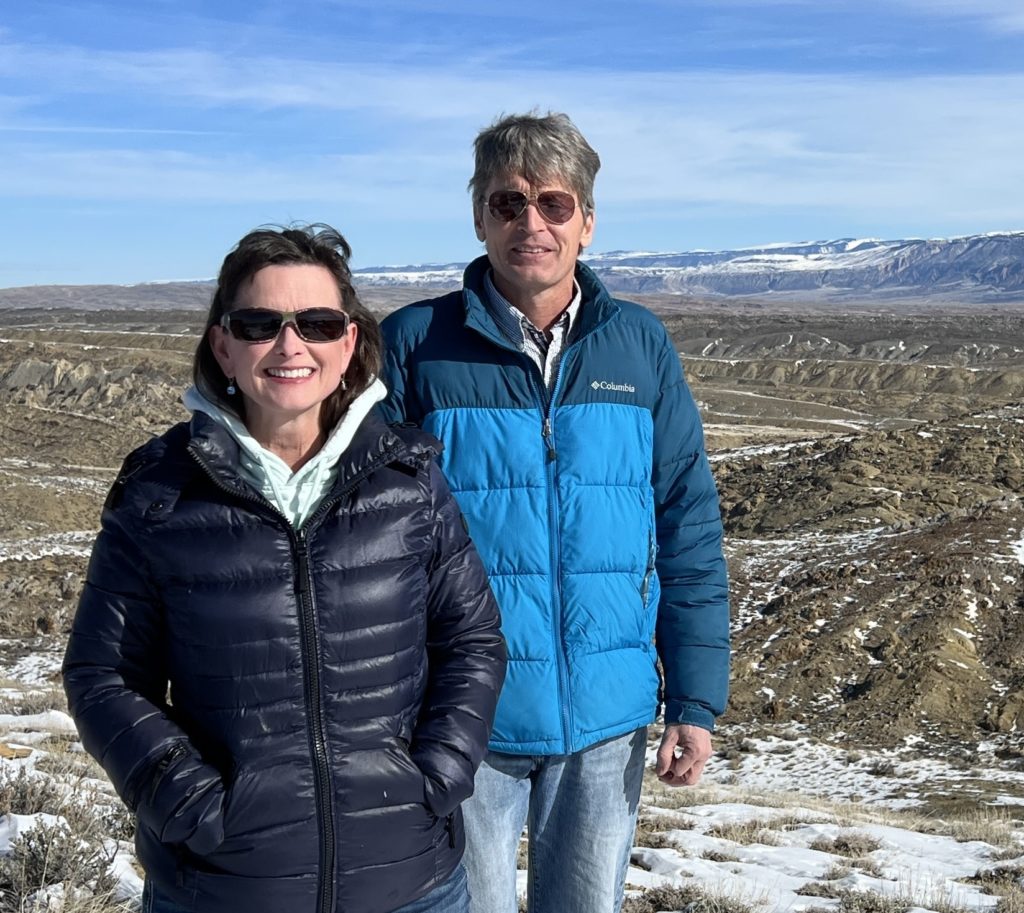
x,y
554,206
263,324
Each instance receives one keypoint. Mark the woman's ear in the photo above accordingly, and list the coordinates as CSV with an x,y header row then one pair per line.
x,y
218,338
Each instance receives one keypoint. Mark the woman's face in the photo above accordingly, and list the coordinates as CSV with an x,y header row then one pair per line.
x,y
285,380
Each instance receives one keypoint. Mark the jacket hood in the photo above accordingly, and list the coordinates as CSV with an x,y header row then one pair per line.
x,y
359,442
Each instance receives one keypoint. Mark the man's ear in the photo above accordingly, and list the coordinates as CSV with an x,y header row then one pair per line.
x,y
478,222
588,230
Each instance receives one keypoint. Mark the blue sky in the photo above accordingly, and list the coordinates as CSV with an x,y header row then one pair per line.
x,y
139,141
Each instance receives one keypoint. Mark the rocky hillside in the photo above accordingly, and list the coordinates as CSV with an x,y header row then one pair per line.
x,y
877,581
976,268
875,531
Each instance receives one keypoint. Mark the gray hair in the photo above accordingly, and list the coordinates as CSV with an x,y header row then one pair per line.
x,y
541,149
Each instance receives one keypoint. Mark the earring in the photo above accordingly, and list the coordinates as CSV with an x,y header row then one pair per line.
x,y
343,384
232,389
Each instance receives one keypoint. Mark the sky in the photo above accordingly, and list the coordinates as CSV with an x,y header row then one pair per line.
x,y
140,141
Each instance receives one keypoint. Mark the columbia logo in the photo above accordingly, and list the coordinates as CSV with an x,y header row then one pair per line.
x,y
608,385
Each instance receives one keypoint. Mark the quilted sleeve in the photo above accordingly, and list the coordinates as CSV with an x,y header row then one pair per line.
x,y
116,682
692,634
466,657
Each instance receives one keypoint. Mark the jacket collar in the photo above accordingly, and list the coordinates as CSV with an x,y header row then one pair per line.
x,y
597,306
372,445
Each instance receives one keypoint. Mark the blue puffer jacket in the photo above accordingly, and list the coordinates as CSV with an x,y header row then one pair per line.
x,y
331,687
593,509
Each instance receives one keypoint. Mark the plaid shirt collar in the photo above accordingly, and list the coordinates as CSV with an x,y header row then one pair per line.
x,y
518,328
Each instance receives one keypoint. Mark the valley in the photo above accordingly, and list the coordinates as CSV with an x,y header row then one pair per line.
x,y
870,464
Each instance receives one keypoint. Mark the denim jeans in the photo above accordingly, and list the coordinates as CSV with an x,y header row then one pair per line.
x,y
581,813
450,897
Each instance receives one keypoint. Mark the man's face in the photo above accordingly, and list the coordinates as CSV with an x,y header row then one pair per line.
x,y
532,258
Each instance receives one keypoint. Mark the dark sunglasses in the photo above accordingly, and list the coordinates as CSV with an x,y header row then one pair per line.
x,y
554,206
263,324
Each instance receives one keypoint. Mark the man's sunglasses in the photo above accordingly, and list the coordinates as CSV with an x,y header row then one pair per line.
x,y
263,324
554,206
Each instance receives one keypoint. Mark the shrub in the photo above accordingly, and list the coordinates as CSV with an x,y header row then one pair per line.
x,y
850,843
746,832
690,898
872,902
23,793
51,855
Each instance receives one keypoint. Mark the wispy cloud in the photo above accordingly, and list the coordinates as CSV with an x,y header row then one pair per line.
x,y
743,112
999,15
761,140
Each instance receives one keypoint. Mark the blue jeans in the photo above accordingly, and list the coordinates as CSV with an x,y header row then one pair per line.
x,y
450,897
581,813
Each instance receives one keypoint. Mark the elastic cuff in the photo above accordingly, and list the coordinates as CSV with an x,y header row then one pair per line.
x,y
690,714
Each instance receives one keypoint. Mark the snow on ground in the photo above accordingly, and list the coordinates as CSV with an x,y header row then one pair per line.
x,y
748,835
895,779
39,667
925,869
1018,550
77,543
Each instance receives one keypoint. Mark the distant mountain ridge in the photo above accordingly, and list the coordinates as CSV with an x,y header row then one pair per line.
x,y
975,269
987,267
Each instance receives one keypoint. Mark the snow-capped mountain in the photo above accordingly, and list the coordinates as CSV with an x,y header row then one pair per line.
x,y
972,268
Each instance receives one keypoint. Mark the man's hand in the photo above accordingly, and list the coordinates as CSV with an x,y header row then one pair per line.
x,y
683,752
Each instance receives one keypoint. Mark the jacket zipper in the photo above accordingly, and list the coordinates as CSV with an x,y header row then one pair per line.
x,y
310,641
311,674
547,406
176,752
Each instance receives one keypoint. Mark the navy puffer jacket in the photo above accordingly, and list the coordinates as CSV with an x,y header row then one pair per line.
x,y
294,715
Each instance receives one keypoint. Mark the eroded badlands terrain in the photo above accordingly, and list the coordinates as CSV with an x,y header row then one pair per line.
x,y
870,461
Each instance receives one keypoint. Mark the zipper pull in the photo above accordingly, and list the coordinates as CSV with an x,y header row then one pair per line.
x,y
549,441
301,569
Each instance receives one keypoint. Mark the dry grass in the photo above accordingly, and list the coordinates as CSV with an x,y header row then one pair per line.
x,y
747,832
998,879
1012,901
817,889
718,856
651,830
691,898
48,856
29,702
872,902
1005,882
23,793
65,759
849,843
989,825
992,826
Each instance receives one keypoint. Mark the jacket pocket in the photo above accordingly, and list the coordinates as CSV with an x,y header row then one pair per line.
x,y
652,554
147,788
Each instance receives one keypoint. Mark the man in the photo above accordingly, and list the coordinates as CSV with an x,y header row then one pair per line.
x,y
576,452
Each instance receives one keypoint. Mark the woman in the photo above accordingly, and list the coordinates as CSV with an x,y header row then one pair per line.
x,y
286,655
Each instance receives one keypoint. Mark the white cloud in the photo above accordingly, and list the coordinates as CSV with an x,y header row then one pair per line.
x,y
1000,15
867,145
931,145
